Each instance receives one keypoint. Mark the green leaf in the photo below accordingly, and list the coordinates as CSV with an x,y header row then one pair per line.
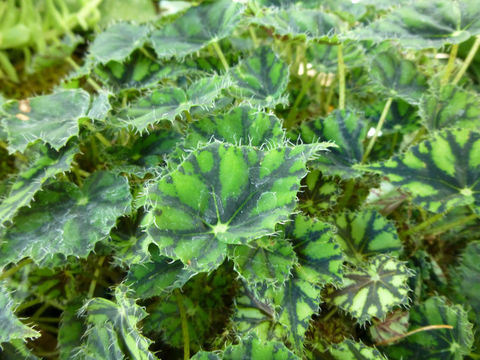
x,y
373,290
261,79
351,350
425,24
347,130
440,172
112,329
205,355
12,328
70,332
450,106
401,116
45,163
100,106
199,26
263,261
67,220
364,234
16,349
437,344
117,42
468,275
302,23
397,77
253,348
50,118
319,194
242,125
223,194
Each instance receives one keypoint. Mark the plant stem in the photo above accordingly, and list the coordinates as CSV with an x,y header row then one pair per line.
x,y
14,269
442,228
89,80
99,136
183,317
330,314
253,36
386,108
449,67
294,110
424,328
93,283
219,52
341,77
468,60
424,224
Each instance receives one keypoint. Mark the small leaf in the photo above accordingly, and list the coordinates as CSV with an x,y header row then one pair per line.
x,y
50,118
253,348
440,172
436,344
319,194
205,355
100,106
364,234
70,332
373,290
261,79
117,42
395,324
199,26
351,350
66,220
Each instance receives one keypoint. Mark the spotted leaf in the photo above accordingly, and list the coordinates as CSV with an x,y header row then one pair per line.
x,y
364,234
253,348
373,290
261,79
66,220
199,26
51,118
441,172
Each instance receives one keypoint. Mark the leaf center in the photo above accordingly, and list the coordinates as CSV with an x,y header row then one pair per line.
x,y
220,228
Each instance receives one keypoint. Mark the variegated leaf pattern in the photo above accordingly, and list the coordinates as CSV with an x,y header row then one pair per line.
x,y
395,324
66,220
347,130
199,26
374,289
438,344
401,116
441,172
12,328
468,273
118,41
223,194
397,77
266,260
365,233
51,118
253,348
261,79
17,349
450,106
70,332
241,125
319,194
205,355
351,350
45,163
112,329
425,24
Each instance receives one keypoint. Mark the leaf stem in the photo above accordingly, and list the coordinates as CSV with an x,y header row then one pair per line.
x,y
14,269
74,65
442,228
424,224
183,317
93,283
294,110
341,77
449,67
424,328
468,60
386,108
219,52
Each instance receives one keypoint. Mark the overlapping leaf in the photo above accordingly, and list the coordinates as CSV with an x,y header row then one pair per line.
x,y
66,220
468,274
50,118
351,350
439,344
45,163
223,194
199,26
441,172
373,290
70,332
261,79
365,233
118,41
401,116
253,348
319,194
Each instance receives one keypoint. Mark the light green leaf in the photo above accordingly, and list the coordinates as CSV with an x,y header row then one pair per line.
x,y
223,194
66,220
44,164
441,172
205,355
117,42
242,125
438,344
100,106
50,118
450,106
12,328
397,77
423,24
199,26
364,234
351,350
468,274
373,290
16,349
253,348
261,79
